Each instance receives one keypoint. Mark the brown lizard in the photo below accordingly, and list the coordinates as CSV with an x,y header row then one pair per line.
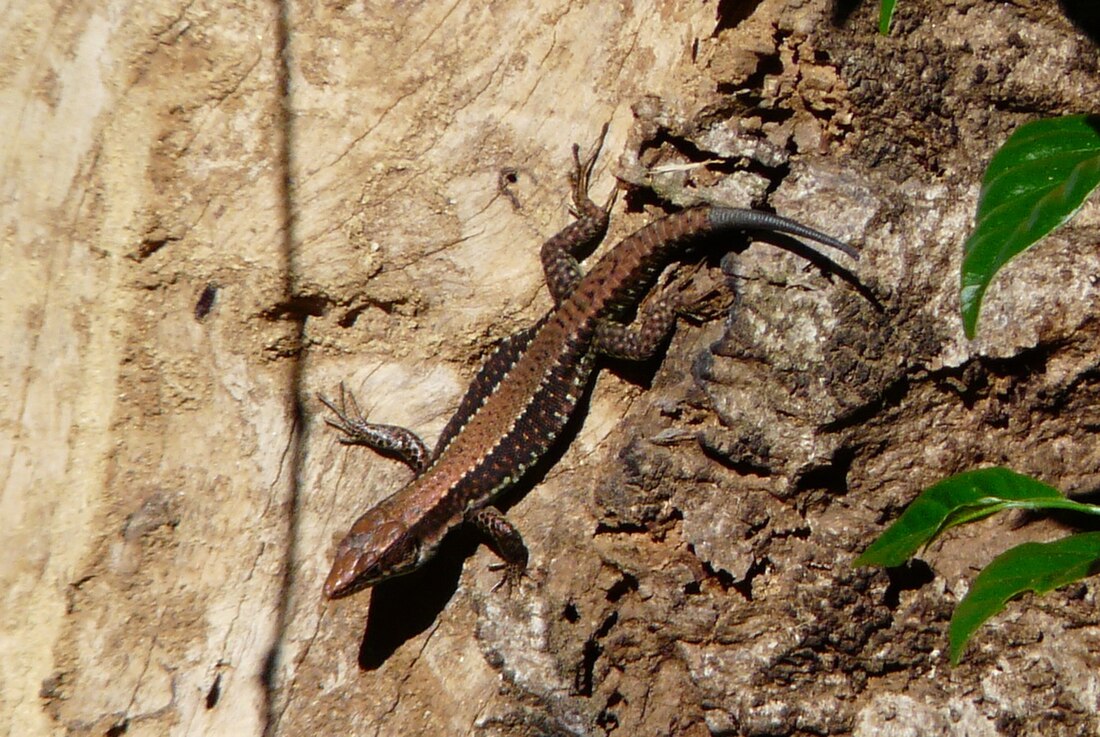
x,y
526,391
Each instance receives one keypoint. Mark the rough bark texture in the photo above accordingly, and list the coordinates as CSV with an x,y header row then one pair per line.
x,y
189,254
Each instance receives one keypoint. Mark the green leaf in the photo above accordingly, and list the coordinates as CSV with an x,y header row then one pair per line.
x,y
962,498
885,15
1038,567
1034,183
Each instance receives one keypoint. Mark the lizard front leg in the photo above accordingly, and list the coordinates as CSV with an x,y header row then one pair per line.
x,y
504,539
399,442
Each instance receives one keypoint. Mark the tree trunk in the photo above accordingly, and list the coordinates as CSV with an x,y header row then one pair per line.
x,y
213,211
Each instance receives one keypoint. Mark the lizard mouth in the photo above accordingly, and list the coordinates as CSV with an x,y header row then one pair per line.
x,y
336,588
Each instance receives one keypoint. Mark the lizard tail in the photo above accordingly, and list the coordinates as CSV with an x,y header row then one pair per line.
x,y
737,218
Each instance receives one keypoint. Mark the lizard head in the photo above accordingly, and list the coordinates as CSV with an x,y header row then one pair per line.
x,y
376,547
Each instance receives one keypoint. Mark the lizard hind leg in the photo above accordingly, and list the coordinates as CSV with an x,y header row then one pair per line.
x,y
642,338
399,442
561,252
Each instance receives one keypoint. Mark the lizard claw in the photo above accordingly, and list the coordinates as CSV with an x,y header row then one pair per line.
x,y
350,422
512,577
582,175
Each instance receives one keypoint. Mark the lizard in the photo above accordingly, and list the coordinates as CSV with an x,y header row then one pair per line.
x,y
529,387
